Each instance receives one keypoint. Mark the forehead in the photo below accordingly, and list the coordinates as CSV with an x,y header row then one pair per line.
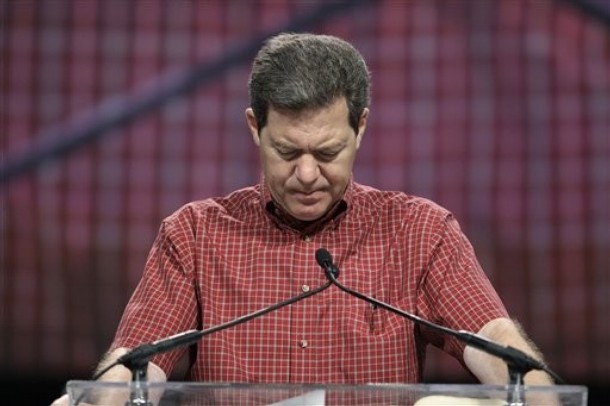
x,y
311,125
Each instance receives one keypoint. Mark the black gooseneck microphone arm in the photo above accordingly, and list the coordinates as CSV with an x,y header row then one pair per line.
x,y
518,362
137,359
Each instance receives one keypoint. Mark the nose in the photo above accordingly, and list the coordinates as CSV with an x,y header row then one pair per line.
x,y
307,169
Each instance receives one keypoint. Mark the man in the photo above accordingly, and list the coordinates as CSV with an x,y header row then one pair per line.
x,y
218,259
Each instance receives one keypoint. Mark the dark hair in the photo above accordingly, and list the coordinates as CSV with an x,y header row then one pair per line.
x,y
307,71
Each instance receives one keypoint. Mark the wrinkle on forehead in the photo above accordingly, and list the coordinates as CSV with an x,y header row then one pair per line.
x,y
310,129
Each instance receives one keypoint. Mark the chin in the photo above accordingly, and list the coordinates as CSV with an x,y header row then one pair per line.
x,y
308,216
305,216
304,212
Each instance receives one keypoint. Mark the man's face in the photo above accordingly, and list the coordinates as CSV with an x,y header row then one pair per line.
x,y
307,157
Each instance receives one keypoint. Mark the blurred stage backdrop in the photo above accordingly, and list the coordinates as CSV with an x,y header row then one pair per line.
x,y
115,113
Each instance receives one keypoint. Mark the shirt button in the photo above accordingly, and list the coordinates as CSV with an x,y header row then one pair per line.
x,y
303,344
305,288
306,238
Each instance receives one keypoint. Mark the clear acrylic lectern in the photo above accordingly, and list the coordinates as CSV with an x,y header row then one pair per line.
x,y
85,393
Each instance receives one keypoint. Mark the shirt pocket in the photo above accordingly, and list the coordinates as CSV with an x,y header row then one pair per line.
x,y
365,320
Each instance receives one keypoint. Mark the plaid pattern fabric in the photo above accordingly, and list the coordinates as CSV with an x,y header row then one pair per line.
x,y
219,259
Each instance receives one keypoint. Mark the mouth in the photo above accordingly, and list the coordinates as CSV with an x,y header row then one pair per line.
x,y
307,197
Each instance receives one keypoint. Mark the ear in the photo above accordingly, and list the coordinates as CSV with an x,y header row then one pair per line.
x,y
253,126
362,126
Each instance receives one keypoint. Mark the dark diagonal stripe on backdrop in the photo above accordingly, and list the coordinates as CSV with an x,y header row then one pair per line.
x,y
121,110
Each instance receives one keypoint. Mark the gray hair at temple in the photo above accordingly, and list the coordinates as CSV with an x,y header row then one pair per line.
x,y
297,72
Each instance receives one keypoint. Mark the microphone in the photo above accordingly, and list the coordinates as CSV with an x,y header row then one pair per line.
x,y
518,362
325,260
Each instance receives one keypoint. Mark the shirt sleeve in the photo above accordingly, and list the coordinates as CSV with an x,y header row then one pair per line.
x,y
456,292
164,302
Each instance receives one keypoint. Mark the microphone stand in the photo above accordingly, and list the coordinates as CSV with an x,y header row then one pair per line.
x,y
136,360
518,362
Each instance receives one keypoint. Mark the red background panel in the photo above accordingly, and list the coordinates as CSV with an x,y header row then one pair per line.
x,y
498,110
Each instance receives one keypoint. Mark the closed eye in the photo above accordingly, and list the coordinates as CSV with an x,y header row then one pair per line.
x,y
288,154
327,156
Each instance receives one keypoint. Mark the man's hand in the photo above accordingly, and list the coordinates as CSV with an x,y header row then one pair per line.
x,y
116,374
492,370
62,401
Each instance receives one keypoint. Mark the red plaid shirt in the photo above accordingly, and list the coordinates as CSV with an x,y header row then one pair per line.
x,y
218,259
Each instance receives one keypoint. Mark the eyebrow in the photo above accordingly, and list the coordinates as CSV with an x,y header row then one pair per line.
x,y
334,147
283,144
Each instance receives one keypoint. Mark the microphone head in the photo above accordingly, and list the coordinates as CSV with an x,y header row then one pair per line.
x,y
323,257
325,260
